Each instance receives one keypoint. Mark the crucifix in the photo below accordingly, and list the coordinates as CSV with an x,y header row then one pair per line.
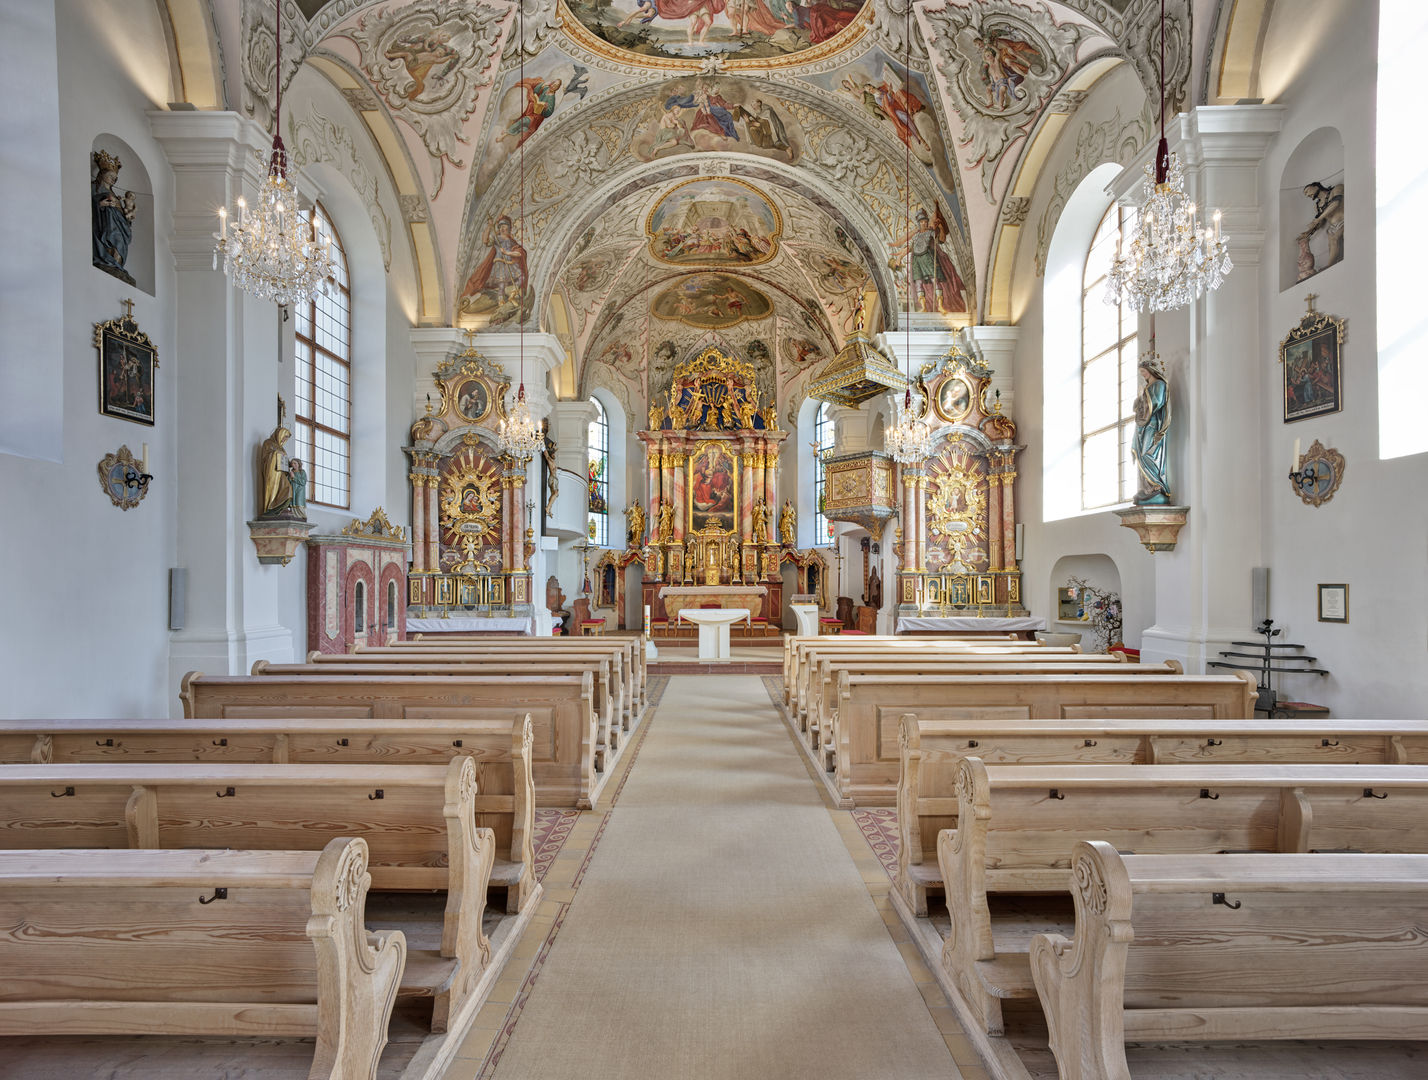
x,y
129,309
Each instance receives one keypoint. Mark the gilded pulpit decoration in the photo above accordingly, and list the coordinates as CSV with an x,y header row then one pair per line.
x,y
860,371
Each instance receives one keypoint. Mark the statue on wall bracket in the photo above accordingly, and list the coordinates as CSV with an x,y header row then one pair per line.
x,y
281,524
1152,424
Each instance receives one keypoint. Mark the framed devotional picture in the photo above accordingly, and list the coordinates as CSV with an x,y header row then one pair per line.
x,y
1312,363
127,363
473,399
1334,603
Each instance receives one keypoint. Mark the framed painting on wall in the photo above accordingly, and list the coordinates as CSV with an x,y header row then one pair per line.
x,y
1334,603
1311,358
127,362
713,489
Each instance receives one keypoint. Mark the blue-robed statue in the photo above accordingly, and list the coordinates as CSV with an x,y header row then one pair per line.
x,y
1152,422
112,216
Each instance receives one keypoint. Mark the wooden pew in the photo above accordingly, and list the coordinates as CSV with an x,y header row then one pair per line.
x,y
631,650
608,696
869,707
1232,947
627,654
930,750
501,750
822,720
796,650
561,708
417,821
1016,826
227,943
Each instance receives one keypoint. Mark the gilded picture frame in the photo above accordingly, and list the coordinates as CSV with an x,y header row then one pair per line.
x,y
1311,359
712,484
472,399
128,362
954,398
984,589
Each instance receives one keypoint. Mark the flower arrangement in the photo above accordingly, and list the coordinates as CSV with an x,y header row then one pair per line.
x,y
1101,609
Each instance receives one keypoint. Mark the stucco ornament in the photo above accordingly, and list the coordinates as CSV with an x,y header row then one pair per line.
x,y
317,138
890,18
1001,63
581,158
845,158
537,24
430,62
258,58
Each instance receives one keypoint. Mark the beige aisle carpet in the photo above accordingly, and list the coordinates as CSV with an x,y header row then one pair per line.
x,y
722,929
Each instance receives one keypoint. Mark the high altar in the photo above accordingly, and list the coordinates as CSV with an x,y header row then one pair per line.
x,y
469,551
712,458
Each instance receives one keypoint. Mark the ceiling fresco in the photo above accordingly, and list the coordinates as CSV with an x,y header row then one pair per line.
x,y
732,170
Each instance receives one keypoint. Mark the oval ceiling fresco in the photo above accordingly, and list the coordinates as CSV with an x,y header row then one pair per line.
x,y
711,302
744,33
714,222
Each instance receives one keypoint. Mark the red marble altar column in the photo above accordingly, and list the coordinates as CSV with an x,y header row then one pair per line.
x,y
674,474
433,524
994,516
1009,519
653,459
920,516
746,490
909,526
770,492
419,495
518,523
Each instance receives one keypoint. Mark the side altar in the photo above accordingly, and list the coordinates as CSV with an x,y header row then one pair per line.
x,y
956,545
712,461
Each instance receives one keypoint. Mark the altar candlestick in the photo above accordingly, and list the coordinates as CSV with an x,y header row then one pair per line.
x,y
144,464
1296,455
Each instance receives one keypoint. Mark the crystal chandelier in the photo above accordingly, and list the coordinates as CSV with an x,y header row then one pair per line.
x,y
272,252
1171,260
909,440
519,433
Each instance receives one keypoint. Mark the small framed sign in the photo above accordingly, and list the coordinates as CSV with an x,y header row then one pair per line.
x,y
1334,603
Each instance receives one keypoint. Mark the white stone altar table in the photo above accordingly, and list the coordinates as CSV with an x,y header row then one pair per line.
x,y
677,597
471,624
713,626
807,616
968,624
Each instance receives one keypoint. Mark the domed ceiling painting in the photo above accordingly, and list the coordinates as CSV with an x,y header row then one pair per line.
x,y
685,32
641,178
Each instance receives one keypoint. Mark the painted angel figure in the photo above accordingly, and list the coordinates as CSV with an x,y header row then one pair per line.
x,y
1005,63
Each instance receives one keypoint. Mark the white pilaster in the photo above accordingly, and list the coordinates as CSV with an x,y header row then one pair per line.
x,y
570,425
994,347
228,381
1212,360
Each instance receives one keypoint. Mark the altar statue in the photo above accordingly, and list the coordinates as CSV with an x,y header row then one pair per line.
x,y
1152,421
635,529
689,564
761,522
666,521
788,524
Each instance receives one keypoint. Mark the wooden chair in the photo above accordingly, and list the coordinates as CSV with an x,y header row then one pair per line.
x,y
581,619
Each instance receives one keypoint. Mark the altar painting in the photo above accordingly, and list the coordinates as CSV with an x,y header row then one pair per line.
x,y
713,489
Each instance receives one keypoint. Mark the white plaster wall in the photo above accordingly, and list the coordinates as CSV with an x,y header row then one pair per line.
x,y
86,584
1373,534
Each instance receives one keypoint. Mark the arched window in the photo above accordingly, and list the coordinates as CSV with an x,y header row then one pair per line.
x,y
598,440
1108,374
823,436
391,604
322,414
1400,180
359,607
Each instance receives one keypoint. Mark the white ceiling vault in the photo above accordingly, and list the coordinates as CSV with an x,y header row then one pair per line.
x,y
798,121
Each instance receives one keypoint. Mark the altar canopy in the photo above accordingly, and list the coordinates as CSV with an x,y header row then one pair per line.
x,y
712,459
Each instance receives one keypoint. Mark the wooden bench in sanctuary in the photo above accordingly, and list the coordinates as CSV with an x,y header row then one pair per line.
x,y
798,650
501,750
417,821
870,707
224,943
562,710
608,696
1017,825
930,750
1194,948
822,718
630,652
820,669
